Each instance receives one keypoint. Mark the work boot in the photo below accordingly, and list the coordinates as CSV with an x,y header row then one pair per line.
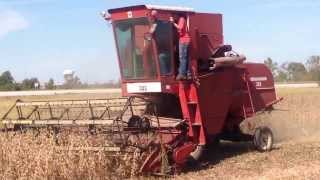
x,y
181,77
189,76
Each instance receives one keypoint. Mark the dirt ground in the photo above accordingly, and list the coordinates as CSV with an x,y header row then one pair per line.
x,y
296,154
290,160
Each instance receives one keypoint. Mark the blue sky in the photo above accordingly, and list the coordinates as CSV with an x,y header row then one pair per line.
x,y
41,38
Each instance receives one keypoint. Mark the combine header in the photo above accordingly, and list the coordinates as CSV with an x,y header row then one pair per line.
x,y
170,122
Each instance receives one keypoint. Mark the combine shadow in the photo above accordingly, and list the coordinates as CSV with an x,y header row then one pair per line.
x,y
216,154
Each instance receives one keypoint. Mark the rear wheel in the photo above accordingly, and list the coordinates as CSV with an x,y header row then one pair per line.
x,y
263,139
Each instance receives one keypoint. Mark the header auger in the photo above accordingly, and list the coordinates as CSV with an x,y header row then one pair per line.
x,y
166,123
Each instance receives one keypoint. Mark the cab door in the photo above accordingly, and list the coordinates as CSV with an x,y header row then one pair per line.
x,y
164,43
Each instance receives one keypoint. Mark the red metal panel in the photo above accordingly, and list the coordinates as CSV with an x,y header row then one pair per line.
x,y
181,154
261,84
215,97
127,14
207,33
253,91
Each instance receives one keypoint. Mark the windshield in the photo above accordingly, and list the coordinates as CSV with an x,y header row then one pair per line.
x,y
135,53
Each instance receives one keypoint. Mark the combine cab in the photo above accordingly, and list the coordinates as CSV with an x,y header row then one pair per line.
x,y
183,117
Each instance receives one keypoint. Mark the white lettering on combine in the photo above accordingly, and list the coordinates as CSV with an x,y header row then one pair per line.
x,y
144,87
263,78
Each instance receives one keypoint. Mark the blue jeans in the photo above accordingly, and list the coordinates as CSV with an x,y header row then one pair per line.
x,y
165,66
184,58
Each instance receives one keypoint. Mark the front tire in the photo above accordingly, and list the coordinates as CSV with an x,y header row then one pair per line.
x,y
263,139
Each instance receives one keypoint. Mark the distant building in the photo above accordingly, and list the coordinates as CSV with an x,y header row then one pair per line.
x,y
68,75
36,85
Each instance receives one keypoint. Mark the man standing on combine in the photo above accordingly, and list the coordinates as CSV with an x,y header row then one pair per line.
x,y
154,21
158,32
184,44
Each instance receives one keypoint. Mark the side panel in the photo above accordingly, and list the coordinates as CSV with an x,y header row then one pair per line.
x,y
215,97
207,33
229,95
253,91
129,13
261,85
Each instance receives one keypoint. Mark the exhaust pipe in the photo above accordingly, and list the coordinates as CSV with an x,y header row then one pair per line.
x,y
230,60
226,61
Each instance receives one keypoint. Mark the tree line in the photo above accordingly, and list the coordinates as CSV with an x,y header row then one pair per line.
x,y
295,71
8,83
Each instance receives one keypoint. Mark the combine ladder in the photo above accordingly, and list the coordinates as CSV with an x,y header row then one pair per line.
x,y
188,95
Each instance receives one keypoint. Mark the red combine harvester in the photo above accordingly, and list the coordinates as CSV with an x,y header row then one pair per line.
x,y
222,93
179,118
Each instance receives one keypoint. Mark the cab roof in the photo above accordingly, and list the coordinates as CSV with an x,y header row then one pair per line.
x,y
156,7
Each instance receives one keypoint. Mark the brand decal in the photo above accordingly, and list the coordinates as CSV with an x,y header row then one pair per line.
x,y
262,78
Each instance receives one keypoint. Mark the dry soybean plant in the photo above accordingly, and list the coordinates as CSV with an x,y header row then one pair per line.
x,y
43,156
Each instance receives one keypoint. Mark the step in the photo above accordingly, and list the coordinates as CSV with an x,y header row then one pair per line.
x,y
192,103
196,124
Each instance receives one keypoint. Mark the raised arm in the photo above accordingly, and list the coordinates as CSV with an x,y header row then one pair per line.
x,y
180,24
153,28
